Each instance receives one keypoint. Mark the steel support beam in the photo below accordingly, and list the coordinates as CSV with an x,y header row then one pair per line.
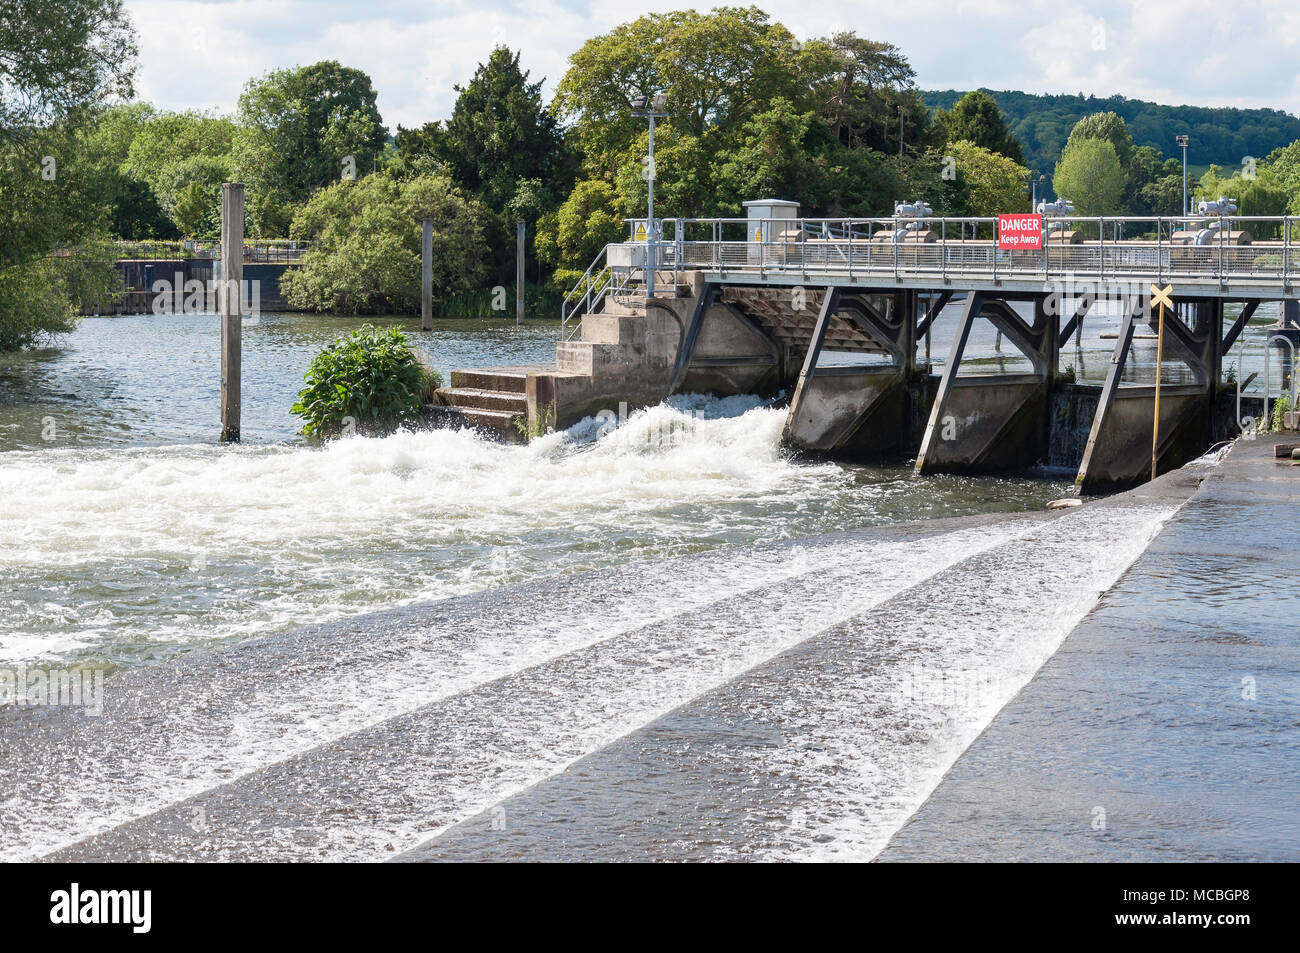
x,y
1118,360
974,302
692,335
1247,312
1075,324
932,312
830,304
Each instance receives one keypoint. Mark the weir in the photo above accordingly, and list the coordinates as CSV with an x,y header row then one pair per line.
x,y
841,315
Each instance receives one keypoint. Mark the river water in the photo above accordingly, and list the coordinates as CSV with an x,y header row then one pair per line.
x,y
668,640
130,535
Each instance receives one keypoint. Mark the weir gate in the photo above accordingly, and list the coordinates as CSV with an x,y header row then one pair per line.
x,y
845,316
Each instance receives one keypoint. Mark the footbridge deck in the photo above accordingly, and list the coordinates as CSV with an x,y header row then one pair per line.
x,y
1213,257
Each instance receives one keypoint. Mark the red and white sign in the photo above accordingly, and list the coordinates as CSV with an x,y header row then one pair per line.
x,y
1019,232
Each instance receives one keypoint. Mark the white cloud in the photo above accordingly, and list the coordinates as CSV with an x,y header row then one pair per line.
x,y
200,54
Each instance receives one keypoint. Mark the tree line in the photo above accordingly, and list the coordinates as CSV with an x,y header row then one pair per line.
x,y
836,123
1219,135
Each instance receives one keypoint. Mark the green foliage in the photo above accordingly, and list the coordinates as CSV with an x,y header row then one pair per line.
x,y
172,137
1219,134
1109,127
499,134
58,63
1090,175
590,218
1281,407
189,191
134,210
41,298
717,69
976,118
863,85
995,184
301,130
366,239
371,376
502,146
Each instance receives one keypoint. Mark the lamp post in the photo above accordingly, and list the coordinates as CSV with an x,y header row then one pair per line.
x,y
652,107
1035,180
1182,141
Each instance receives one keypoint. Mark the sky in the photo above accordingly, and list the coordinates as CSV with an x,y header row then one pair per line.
x,y
198,54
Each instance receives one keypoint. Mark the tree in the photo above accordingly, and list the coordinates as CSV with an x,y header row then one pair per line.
x,y
717,70
1108,126
300,130
1144,168
1090,175
190,210
366,237
58,64
499,133
1219,134
500,139
860,85
771,159
570,237
976,118
170,137
994,184
134,209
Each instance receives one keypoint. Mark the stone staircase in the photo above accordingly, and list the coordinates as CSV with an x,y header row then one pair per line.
x,y
490,398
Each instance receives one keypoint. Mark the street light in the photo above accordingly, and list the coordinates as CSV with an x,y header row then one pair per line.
x,y
651,107
1182,141
1035,180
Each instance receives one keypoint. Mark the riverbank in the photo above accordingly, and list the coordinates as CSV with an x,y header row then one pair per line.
x,y
1165,728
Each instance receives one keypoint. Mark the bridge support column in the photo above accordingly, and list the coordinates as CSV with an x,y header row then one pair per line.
x,y
863,411
1118,454
991,423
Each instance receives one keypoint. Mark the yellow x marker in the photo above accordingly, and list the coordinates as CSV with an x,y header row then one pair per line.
x,y
1162,296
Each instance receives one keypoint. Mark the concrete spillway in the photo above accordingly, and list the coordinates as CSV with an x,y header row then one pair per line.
x,y
789,700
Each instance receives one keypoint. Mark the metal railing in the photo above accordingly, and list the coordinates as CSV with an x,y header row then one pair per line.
x,y
256,251
1110,249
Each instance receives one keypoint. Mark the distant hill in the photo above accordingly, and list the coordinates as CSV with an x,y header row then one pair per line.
x,y
1220,135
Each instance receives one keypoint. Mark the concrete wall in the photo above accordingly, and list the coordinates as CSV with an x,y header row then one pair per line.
x,y
1121,457
627,355
989,424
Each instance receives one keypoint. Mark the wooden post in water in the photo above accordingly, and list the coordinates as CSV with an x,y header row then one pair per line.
x,y
519,272
426,278
231,298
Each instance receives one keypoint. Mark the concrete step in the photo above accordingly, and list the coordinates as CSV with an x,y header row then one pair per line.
x,y
583,357
505,424
477,398
510,380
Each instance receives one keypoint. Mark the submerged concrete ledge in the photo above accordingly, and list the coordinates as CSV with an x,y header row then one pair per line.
x,y
1165,728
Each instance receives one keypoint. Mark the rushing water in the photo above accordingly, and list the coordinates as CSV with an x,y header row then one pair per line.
x,y
729,680
132,535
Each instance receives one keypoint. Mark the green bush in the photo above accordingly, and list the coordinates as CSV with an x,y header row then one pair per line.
x,y
1281,407
371,376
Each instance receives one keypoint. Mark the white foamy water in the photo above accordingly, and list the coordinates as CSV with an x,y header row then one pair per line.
x,y
128,555
445,719
985,630
524,695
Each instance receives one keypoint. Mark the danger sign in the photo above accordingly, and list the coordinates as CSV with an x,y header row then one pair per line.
x,y
1020,231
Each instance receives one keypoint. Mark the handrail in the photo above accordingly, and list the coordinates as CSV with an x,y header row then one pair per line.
x,y
1166,248
582,290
